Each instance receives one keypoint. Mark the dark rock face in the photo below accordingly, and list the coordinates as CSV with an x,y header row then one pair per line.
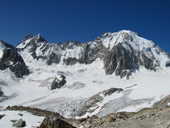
x,y
148,63
123,62
92,101
54,122
29,36
53,58
91,54
58,83
70,61
120,61
168,64
1,116
19,123
1,93
12,60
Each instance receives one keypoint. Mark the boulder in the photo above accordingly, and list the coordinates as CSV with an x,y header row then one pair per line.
x,y
110,119
19,123
1,116
55,122
58,82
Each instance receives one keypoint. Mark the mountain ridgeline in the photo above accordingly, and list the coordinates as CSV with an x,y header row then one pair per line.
x,y
122,52
12,60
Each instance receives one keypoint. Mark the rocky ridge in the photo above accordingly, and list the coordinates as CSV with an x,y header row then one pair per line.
x,y
122,52
10,58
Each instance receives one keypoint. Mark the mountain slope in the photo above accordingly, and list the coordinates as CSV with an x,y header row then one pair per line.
x,y
9,58
122,52
84,67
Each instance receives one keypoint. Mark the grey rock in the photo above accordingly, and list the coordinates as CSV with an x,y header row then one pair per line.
x,y
163,103
168,64
58,83
1,116
123,62
90,104
70,61
1,93
55,122
12,60
28,36
19,123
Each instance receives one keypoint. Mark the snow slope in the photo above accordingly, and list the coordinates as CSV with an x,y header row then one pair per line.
x,y
29,92
31,120
1,49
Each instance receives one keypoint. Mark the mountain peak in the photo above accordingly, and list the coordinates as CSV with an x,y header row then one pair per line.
x,y
28,36
122,52
31,40
39,38
126,31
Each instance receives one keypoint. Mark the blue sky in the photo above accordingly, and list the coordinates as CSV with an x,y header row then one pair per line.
x,y
84,20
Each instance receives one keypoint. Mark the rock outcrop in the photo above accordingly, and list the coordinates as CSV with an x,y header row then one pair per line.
x,y
120,61
1,93
163,103
58,82
19,123
34,111
55,122
91,104
12,60
146,118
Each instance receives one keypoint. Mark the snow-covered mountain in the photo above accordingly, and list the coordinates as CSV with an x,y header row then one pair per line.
x,y
85,77
10,59
122,52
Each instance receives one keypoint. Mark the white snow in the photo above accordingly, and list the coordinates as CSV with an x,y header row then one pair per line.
x,y
2,47
168,104
30,92
31,120
73,53
23,44
126,37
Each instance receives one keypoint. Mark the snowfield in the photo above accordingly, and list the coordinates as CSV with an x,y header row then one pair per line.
x,y
144,88
31,120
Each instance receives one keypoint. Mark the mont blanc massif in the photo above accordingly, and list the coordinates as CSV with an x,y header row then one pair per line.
x,y
118,80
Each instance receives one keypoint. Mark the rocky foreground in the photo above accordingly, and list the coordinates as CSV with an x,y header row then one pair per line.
x,y
155,117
